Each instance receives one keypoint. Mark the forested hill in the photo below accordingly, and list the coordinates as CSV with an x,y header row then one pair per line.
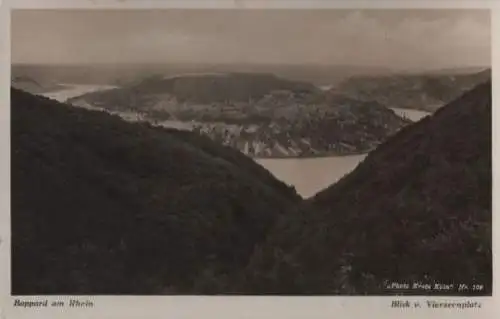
x,y
418,209
206,88
427,92
102,206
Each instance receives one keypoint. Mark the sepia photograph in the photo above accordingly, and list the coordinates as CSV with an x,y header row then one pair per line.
x,y
266,152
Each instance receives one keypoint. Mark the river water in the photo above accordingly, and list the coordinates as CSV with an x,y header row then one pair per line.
x,y
307,175
310,175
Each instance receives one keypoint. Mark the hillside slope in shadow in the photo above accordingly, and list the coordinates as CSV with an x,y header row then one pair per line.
x,y
416,210
102,206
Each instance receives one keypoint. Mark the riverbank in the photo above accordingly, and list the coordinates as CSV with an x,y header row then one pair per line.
x,y
308,174
313,156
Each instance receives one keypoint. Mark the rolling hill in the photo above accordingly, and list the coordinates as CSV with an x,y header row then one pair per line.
x,y
426,92
27,83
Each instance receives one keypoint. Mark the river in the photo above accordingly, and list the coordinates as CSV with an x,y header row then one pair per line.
x,y
307,175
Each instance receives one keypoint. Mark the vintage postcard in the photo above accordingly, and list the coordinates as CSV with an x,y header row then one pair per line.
x,y
248,159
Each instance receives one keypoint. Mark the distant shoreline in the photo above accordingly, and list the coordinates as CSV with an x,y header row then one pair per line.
x,y
313,156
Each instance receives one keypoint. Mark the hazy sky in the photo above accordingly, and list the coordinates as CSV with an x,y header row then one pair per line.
x,y
397,38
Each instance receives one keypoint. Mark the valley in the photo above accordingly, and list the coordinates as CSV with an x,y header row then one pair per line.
x,y
144,178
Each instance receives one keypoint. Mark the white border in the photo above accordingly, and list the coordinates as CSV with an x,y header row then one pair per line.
x,y
251,4
120,307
